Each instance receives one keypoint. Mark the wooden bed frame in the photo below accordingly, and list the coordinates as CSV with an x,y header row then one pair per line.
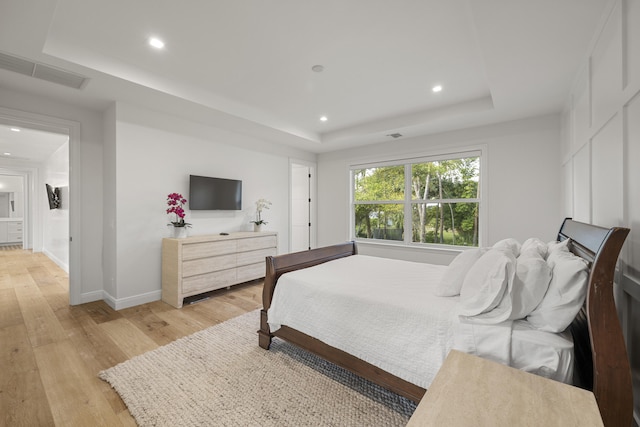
x,y
601,361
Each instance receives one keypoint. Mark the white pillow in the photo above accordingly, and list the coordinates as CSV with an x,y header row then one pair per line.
x,y
496,315
530,284
452,279
557,246
535,244
566,293
510,244
486,282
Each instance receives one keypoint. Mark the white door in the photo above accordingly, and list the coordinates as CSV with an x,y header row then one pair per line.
x,y
301,224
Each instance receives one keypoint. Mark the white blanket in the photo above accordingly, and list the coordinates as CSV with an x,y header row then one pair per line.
x,y
384,312
408,332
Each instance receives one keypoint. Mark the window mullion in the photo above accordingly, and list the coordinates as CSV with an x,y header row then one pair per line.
x,y
408,223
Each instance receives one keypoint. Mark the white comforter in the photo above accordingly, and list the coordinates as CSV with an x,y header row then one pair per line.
x,y
363,306
407,324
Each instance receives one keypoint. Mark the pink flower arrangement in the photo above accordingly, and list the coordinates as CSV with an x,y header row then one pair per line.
x,y
176,203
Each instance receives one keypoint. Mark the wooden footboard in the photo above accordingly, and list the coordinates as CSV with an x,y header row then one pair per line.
x,y
352,363
277,266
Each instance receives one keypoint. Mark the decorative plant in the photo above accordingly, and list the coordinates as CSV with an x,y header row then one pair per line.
x,y
176,203
260,205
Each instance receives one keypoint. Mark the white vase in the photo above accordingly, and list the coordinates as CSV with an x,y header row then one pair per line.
x,y
180,232
257,227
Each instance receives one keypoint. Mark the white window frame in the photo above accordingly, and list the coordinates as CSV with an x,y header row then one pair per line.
x,y
479,152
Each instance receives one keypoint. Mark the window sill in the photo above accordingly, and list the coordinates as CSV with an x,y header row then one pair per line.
x,y
415,247
438,255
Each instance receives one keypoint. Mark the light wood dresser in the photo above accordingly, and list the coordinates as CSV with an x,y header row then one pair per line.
x,y
198,264
470,391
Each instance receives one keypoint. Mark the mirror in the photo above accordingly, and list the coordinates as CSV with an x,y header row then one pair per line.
x,y
11,196
11,204
5,205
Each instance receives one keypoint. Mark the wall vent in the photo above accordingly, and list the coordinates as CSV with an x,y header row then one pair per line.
x,y
42,71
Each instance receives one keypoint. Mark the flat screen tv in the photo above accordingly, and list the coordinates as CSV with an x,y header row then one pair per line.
x,y
53,196
210,194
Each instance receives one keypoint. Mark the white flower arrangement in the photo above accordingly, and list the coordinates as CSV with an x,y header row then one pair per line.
x,y
261,204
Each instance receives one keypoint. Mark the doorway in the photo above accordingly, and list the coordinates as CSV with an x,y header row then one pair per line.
x,y
35,192
302,197
12,203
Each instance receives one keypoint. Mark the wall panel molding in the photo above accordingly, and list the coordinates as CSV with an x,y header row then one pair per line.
x,y
607,175
581,111
581,169
604,183
631,43
606,70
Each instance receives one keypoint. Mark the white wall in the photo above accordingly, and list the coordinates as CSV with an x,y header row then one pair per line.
x,y
153,155
90,169
130,159
55,241
601,151
522,173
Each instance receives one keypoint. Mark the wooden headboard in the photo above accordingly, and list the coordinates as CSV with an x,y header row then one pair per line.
x,y
602,363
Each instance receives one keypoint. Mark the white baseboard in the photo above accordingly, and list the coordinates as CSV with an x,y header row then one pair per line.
x,y
119,304
59,263
91,296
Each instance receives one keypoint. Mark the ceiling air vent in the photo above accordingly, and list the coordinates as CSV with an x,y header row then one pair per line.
x,y
15,64
41,71
56,75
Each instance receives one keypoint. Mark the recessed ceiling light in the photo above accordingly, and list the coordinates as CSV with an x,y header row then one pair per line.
x,y
15,130
156,42
7,154
436,88
323,119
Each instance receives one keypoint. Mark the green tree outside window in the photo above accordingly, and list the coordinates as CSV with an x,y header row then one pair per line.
x,y
440,198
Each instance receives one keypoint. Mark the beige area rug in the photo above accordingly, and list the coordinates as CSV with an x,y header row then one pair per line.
x,y
220,377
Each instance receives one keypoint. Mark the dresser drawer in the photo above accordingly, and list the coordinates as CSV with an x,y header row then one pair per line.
x,y
208,265
12,236
209,282
252,257
15,226
256,243
208,249
251,272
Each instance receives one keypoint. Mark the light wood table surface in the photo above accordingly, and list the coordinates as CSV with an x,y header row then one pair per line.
x,y
471,391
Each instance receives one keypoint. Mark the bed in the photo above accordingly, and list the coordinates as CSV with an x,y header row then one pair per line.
x,y
590,353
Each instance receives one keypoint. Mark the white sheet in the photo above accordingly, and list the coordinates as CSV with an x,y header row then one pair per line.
x,y
520,345
384,311
542,353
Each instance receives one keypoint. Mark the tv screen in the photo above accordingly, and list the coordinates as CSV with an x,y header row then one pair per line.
x,y
209,194
53,196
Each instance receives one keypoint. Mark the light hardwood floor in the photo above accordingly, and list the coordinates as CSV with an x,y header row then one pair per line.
x,y
51,352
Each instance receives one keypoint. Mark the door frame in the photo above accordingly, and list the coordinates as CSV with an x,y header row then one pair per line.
x,y
72,129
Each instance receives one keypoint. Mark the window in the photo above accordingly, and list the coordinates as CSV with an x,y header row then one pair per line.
x,y
418,201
